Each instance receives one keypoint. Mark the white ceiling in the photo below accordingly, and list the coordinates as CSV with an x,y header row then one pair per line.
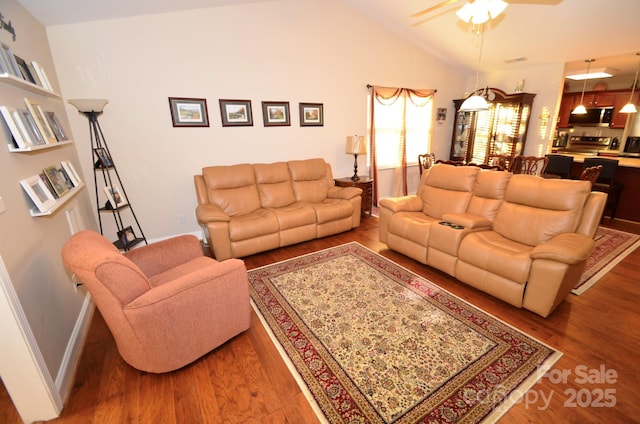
x,y
542,31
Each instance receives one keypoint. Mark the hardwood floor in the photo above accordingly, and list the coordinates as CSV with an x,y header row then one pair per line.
x,y
246,381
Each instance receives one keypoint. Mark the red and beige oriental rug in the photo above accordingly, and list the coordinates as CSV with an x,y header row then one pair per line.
x,y
372,342
611,247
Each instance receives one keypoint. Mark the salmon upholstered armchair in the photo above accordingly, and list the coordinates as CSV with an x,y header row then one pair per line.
x,y
166,304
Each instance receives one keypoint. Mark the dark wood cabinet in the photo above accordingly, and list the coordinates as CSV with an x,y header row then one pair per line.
x,y
619,120
366,184
500,130
612,98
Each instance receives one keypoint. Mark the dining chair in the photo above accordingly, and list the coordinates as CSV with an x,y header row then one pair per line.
x,y
591,173
425,161
504,162
530,165
606,182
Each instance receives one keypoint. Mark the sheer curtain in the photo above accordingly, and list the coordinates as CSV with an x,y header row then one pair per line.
x,y
400,125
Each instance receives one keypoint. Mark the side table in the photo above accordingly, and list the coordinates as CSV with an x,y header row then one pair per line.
x,y
366,184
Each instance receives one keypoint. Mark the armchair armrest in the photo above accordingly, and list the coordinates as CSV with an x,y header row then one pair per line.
x,y
192,287
211,213
568,248
166,254
346,193
411,203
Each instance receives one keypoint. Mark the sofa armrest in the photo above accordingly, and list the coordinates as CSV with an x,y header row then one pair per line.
x,y
411,203
346,193
165,254
467,220
568,248
211,213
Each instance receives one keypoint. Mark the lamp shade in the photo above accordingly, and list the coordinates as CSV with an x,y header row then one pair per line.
x,y
474,103
88,105
579,110
629,108
355,145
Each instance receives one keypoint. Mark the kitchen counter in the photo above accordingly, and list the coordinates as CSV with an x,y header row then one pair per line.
x,y
622,161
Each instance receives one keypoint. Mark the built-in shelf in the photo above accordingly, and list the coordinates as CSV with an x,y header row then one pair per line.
x,y
14,149
9,79
60,202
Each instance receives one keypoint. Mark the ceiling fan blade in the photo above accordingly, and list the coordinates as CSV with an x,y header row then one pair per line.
x,y
432,8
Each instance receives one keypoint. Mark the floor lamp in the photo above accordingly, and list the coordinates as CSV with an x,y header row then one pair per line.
x,y
91,109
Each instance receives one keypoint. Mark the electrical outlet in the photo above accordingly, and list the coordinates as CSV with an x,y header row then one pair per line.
x,y
181,219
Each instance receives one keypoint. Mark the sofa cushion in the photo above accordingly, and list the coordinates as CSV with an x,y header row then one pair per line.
x,y
488,193
332,210
310,179
536,209
447,189
498,255
232,188
274,184
254,224
414,226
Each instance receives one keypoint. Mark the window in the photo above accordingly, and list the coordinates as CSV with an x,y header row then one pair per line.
x,y
401,121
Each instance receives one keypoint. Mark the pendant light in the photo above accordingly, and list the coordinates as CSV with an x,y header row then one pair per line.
x,y
476,102
580,109
630,107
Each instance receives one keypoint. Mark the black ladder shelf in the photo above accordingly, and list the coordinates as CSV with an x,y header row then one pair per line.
x,y
104,164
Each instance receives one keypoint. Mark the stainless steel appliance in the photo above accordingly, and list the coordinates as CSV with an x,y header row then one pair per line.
x,y
595,117
587,145
632,147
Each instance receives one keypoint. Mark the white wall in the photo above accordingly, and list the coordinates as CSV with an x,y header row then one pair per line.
x,y
296,51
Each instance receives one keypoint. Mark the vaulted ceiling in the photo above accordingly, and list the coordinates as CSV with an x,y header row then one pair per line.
x,y
528,33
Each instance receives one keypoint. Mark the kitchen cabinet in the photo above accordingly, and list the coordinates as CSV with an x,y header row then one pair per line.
x,y
619,120
500,130
599,99
568,102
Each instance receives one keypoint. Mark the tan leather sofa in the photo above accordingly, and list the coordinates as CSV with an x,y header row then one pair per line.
x,y
521,238
251,208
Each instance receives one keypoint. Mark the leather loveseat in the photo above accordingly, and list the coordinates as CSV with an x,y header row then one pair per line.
x,y
521,238
250,208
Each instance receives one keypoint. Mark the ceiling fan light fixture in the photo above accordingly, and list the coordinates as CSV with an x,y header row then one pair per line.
x,y
480,11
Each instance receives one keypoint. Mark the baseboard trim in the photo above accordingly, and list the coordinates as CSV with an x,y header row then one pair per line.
x,y
71,358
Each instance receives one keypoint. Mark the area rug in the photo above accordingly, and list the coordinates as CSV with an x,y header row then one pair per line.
x,y
611,247
372,342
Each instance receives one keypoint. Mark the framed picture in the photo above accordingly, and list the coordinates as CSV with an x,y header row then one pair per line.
x,y
17,131
56,126
104,160
38,192
116,199
188,112
68,168
275,114
10,61
311,115
57,180
126,236
25,72
40,119
30,127
236,113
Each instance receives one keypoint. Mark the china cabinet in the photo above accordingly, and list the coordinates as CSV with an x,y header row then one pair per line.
x,y
499,130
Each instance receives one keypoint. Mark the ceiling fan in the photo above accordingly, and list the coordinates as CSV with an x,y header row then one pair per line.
x,y
478,11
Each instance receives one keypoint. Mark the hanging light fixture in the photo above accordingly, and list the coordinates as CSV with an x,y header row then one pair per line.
x,y
476,102
580,109
630,107
480,11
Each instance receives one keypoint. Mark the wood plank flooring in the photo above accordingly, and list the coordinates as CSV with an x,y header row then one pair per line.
x,y
246,381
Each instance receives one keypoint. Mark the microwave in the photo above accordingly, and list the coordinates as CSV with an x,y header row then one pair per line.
x,y
595,117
